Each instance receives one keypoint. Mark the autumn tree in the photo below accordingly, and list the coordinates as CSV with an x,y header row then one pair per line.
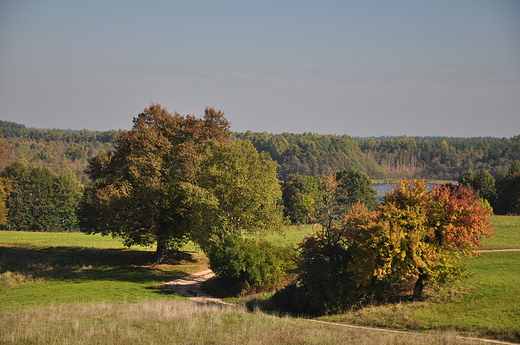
x,y
416,234
324,283
339,192
137,192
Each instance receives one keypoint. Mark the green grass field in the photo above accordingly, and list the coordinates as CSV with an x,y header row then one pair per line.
x,y
40,269
507,233
47,274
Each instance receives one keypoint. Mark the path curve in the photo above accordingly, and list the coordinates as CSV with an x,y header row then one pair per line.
x,y
191,287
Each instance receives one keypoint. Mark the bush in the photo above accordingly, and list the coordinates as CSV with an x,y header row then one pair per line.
x,y
324,285
251,265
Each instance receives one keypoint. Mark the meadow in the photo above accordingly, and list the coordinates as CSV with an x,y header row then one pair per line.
x,y
76,288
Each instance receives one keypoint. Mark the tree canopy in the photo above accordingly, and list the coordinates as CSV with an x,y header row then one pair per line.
x,y
236,191
414,235
39,199
137,189
173,178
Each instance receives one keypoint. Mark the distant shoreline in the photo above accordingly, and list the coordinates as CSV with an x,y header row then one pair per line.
x,y
428,181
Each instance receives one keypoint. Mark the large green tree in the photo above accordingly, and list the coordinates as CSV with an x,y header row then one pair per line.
x,y
301,197
235,192
137,192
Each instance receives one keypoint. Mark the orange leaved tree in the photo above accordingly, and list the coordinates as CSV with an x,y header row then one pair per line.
x,y
416,234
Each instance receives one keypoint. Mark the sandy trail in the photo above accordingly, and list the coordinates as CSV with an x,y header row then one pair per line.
x,y
191,287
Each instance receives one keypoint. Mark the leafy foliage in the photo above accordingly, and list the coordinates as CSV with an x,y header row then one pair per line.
x,y
235,191
369,255
355,186
324,284
56,149
439,157
306,154
502,193
508,191
301,197
312,154
417,234
5,189
39,199
137,189
247,264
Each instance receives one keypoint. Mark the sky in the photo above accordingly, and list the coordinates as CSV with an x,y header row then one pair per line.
x,y
361,68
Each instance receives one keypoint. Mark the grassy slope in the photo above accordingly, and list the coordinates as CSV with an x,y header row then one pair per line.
x,y
182,322
95,269
507,233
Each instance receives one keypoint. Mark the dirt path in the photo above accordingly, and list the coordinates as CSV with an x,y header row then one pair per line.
x,y
191,287
499,250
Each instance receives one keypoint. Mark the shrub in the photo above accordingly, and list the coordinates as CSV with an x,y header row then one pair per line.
x,y
324,285
251,265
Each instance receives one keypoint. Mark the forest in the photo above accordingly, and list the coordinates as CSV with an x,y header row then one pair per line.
x,y
381,158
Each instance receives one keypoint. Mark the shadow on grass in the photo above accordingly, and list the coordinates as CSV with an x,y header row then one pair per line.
x,y
79,264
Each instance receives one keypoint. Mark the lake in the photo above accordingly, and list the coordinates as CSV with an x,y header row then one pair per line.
x,y
381,188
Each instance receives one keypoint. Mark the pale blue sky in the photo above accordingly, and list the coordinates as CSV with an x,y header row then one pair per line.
x,y
362,68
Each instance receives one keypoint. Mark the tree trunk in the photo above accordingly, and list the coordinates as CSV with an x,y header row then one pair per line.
x,y
162,254
419,286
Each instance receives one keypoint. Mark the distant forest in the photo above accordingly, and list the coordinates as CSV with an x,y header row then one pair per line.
x,y
382,158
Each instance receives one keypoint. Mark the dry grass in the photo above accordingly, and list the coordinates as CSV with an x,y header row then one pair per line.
x,y
184,322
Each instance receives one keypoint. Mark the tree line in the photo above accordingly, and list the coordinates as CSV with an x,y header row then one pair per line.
x,y
441,158
56,149
310,154
502,193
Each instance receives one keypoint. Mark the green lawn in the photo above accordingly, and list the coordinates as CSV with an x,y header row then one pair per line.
x,y
39,269
507,233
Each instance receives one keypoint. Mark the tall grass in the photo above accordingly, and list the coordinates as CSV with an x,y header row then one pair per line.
x,y
183,322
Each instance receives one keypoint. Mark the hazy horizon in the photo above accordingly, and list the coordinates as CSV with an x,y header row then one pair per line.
x,y
362,69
